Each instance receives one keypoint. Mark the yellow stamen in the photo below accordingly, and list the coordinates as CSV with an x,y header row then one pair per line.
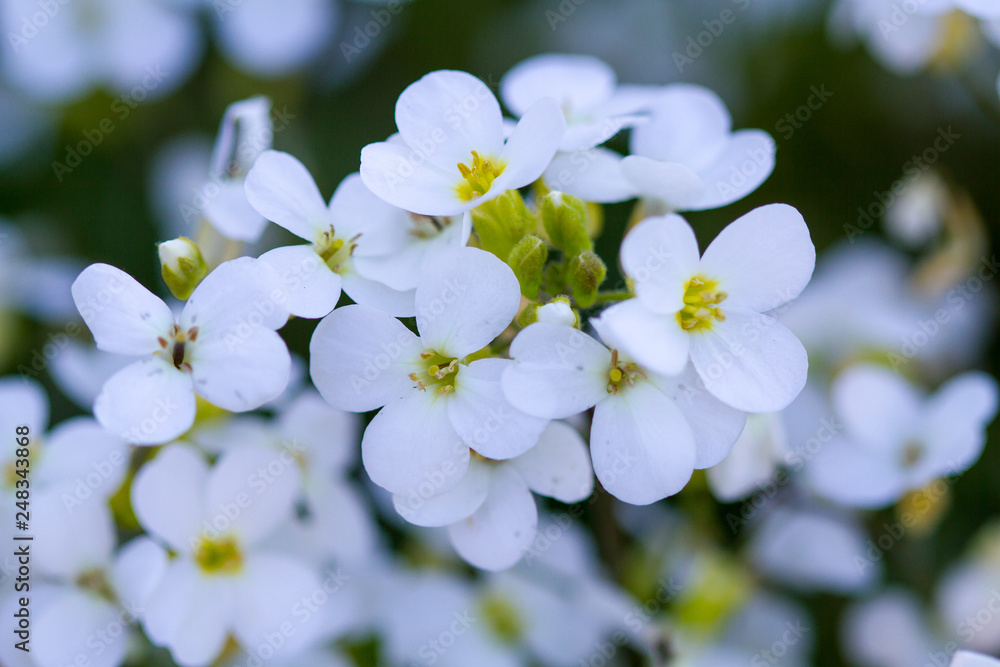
x,y
478,176
701,304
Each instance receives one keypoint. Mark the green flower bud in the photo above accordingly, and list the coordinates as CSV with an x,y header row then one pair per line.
x,y
181,266
584,275
527,259
502,222
565,220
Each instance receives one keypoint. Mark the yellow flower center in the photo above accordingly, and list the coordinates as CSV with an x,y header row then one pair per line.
x,y
477,176
438,374
701,304
96,581
333,250
622,373
218,556
502,618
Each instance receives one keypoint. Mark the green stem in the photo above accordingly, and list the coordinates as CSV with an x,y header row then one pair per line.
x,y
608,297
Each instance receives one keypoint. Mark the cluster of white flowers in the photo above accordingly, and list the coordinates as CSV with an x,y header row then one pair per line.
x,y
478,325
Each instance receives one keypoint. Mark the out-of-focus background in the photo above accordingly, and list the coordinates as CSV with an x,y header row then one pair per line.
x,y
110,109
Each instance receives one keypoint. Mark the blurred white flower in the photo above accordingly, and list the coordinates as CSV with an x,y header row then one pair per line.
x,y
753,460
223,347
687,158
139,49
273,38
889,630
916,216
438,404
810,551
897,440
491,516
713,309
452,155
559,371
224,581
587,90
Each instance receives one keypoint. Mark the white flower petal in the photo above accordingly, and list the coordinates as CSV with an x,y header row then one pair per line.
x,y
251,491
956,417
78,628
660,255
80,450
230,212
282,190
446,508
878,406
411,446
558,372
22,403
271,589
715,425
502,529
690,125
968,658
558,466
240,294
657,342
401,176
484,418
848,474
313,289
743,165
814,552
591,175
137,571
750,361
642,447
355,210
453,113
124,316
464,301
69,540
576,82
241,373
378,295
148,402
531,146
326,436
670,182
360,358
168,495
762,260
190,614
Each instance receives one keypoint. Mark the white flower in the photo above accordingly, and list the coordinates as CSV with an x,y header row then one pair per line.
x,y
356,224
84,597
78,461
35,285
222,347
245,133
916,216
491,516
649,432
970,659
586,89
222,582
437,402
713,309
813,551
753,461
138,48
321,441
453,156
897,440
273,38
889,630
686,158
